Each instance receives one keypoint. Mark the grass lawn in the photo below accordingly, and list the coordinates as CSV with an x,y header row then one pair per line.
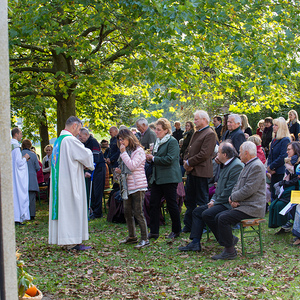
x,y
160,271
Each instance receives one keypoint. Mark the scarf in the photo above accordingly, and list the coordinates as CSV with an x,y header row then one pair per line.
x,y
291,123
160,142
123,176
55,175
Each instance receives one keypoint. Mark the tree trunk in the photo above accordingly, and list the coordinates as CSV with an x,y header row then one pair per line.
x,y
44,136
65,99
65,109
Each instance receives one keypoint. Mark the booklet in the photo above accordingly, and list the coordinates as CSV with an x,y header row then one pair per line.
x,y
295,197
287,208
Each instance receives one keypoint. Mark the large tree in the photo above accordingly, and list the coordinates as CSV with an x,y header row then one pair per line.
x,y
102,53
60,48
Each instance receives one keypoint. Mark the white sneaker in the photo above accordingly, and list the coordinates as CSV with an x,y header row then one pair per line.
x,y
142,244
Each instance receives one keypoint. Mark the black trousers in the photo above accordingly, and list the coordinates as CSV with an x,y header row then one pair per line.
x,y
221,224
198,223
274,179
97,190
196,194
169,191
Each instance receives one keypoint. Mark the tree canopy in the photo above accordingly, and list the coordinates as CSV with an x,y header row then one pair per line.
x,y
110,60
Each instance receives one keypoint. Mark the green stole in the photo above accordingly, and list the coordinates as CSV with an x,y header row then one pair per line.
x,y
55,175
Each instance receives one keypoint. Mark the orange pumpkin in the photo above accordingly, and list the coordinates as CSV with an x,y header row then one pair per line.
x,y
31,291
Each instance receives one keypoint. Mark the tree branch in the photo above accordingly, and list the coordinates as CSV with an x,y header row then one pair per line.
x,y
32,69
31,93
121,52
31,47
102,36
89,30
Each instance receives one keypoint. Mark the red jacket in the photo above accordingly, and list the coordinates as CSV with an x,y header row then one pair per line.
x,y
39,174
261,154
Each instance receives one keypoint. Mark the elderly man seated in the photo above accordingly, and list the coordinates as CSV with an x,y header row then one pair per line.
x,y
231,168
248,200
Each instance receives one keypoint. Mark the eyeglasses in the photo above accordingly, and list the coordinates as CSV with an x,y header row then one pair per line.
x,y
121,140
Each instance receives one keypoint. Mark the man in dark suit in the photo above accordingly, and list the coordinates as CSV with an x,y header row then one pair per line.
x,y
99,173
198,164
114,153
231,168
217,120
234,132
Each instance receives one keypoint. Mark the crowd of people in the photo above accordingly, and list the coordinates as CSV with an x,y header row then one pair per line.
x,y
230,174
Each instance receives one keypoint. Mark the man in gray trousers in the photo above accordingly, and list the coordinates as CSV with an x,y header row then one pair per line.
x,y
248,200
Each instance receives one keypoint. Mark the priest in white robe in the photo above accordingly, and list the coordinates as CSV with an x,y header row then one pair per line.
x,y
20,178
68,212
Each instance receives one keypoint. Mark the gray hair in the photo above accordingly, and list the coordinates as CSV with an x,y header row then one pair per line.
x,y
71,120
85,130
142,121
250,147
236,117
202,115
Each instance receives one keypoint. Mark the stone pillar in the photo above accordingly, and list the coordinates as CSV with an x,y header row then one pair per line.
x,y
7,227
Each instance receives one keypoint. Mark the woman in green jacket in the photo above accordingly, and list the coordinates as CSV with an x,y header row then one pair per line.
x,y
165,177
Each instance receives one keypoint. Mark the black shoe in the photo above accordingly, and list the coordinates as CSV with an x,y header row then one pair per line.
x,y
92,216
191,247
225,255
32,218
281,231
185,229
19,223
173,235
153,236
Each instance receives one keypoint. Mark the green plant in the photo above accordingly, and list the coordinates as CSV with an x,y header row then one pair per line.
x,y
24,279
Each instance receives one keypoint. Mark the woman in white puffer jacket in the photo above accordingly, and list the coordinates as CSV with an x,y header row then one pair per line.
x,y
133,184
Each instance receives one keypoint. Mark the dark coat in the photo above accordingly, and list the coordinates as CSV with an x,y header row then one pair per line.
x,y
94,146
178,134
277,155
218,131
166,168
236,136
33,167
186,140
200,153
266,138
114,152
248,130
295,129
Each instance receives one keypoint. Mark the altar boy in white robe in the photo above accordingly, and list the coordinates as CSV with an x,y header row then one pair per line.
x,y
20,178
68,212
